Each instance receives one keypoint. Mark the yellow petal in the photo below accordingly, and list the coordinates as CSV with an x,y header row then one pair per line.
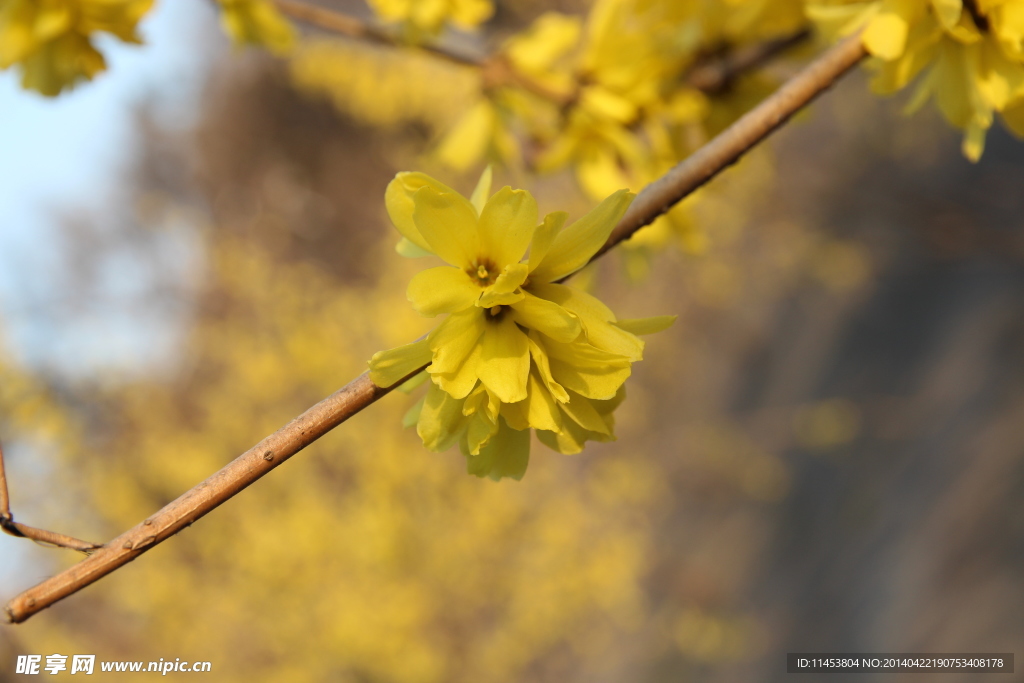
x,y
948,11
540,406
886,35
410,249
468,13
587,370
999,79
493,406
490,298
954,87
257,22
608,406
511,278
974,141
599,171
506,454
482,400
515,415
16,35
482,190
568,441
452,341
448,223
589,308
442,290
411,385
651,325
585,415
388,367
398,198
505,289
605,103
118,18
462,381
596,319
467,142
573,247
545,316
476,400
1013,119
504,359
546,40
507,224
479,430
542,366
611,338
60,64
441,421
840,19
544,235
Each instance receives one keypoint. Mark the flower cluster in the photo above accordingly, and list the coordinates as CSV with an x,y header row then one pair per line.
x,y
517,350
615,122
52,40
970,54
424,18
257,22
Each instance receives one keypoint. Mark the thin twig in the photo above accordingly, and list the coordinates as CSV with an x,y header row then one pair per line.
x,y
715,75
5,499
348,25
8,525
703,165
498,71
711,76
46,537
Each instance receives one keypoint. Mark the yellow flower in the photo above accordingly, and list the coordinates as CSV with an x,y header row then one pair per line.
x,y
427,17
970,54
257,22
481,132
518,350
51,40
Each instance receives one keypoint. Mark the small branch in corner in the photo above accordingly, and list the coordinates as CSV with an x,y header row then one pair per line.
x,y
50,538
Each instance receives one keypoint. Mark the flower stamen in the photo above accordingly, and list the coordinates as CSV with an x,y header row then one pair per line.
x,y
485,273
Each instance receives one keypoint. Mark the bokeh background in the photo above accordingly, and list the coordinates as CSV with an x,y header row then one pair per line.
x,y
825,453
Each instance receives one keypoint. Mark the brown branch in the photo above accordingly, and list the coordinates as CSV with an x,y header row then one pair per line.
x,y
46,537
727,147
717,74
703,165
9,526
347,25
711,76
498,71
5,499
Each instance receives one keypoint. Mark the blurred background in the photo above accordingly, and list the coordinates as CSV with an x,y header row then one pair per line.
x,y
824,454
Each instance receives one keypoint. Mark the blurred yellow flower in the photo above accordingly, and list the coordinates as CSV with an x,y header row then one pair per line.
x,y
970,54
257,22
51,40
518,350
428,17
